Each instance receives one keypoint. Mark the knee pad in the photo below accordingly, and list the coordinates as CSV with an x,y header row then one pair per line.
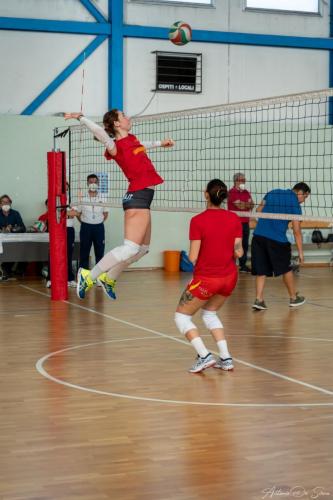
x,y
126,251
211,320
184,322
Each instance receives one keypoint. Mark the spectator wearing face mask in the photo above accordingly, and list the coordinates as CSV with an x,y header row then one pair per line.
x,y
240,200
10,222
92,217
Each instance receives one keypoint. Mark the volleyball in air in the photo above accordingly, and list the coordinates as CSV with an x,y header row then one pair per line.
x,y
180,33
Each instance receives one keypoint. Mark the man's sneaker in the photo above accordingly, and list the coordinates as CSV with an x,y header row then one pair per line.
x,y
71,284
48,284
84,282
108,285
202,363
244,269
299,301
224,364
259,305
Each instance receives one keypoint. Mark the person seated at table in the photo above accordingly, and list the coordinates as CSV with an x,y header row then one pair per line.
x,y
45,216
10,222
44,270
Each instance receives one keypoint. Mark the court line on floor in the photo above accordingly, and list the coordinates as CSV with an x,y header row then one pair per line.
x,y
282,336
40,368
160,334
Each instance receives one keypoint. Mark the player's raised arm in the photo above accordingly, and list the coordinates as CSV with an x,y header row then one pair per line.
x,y
101,135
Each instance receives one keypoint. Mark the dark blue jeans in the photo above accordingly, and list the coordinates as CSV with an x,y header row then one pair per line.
x,y
70,248
91,234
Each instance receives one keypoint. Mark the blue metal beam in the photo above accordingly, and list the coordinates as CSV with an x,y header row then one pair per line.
x,y
115,26
134,31
63,75
116,57
48,26
299,42
93,11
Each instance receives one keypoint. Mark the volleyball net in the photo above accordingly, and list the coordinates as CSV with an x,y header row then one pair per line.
x,y
276,143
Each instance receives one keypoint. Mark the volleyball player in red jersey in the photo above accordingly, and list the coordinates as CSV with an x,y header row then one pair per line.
x,y
130,155
216,241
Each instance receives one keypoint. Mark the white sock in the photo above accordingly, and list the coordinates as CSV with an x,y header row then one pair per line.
x,y
108,261
223,349
200,347
95,272
116,270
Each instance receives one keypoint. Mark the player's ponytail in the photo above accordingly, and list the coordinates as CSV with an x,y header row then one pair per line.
x,y
217,191
108,121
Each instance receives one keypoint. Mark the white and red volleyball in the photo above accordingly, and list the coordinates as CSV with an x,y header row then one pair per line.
x,y
180,33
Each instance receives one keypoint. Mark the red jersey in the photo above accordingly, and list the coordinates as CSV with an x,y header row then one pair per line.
x,y
239,195
217,230
132,159
44,217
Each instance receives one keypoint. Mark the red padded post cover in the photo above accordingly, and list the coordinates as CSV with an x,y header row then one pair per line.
x,y
56,162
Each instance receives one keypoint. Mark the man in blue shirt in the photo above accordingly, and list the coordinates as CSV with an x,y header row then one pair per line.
x,y
270,249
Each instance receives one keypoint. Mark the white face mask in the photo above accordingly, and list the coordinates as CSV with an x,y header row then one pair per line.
x,y
93,187
242,187
5,208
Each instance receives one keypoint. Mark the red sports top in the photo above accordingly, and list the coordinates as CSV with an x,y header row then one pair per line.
x,y
217,230
238,195
133,161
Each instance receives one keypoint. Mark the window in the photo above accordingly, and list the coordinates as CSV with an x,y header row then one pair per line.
x,y
308,6
178,72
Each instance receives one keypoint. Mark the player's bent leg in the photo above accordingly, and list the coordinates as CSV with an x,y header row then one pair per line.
x,y
137,223
204,358
121,255
215,326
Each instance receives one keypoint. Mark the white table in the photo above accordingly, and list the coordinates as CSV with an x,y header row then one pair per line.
x,y
27,247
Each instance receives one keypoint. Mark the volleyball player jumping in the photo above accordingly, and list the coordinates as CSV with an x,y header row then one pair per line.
x,y
216,241
130,155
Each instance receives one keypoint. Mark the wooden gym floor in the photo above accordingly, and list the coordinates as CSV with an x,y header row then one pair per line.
x,y
96,401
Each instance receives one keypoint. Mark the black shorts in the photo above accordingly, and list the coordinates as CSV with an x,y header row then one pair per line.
x,y
269,257
138,199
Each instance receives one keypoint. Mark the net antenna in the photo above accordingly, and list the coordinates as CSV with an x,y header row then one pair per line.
x,y
81,177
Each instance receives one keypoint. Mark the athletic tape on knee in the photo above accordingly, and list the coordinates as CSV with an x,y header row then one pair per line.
x,y
211,320
126,251
184,323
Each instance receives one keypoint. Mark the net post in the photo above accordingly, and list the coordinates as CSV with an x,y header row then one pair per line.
x,y
56,162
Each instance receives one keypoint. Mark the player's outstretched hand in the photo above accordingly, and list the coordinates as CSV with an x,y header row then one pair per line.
x,y
72,116
167,143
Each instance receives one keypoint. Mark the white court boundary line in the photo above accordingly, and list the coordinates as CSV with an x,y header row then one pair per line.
x,y
42,371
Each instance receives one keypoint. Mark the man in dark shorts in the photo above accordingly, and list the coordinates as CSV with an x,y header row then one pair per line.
x,y
270,249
